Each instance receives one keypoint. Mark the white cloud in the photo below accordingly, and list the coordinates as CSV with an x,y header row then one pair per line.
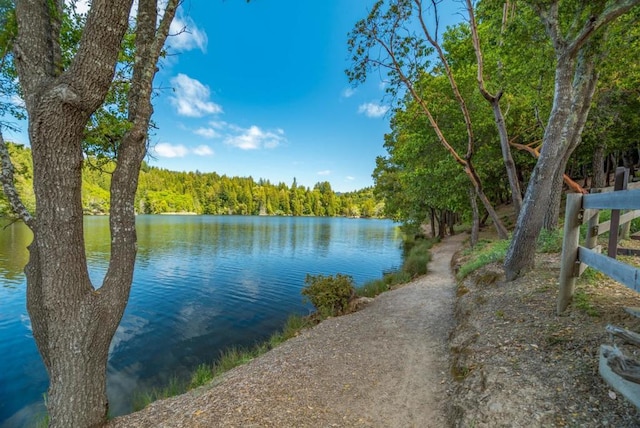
x,y
348,92
373,109
219,124
254,138
184,35
206,132
191,98
350,178
203,151
325,172
82,6
167,150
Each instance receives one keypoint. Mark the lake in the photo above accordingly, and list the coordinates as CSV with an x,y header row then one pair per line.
x,y
201,285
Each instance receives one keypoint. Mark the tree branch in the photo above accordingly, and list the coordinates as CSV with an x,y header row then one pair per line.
x,y
613,11
454,86
98,50
8,185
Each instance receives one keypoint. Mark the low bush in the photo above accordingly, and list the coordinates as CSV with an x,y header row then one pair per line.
x,y
328,294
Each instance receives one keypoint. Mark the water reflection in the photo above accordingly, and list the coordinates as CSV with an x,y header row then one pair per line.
x,y
201,284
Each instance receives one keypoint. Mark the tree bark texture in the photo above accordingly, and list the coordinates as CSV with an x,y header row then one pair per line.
x,y
73,322
475,223
520,256
575,80
599,179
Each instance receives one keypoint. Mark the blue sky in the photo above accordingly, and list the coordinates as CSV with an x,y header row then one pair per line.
x,y
258,89
262,93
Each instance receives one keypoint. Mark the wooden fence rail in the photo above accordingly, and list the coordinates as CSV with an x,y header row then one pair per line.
x,y
575,258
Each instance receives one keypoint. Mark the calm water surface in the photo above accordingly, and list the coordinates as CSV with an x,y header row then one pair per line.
x,y
202,284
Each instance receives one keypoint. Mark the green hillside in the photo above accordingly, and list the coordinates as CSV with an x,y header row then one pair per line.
x,y
161,191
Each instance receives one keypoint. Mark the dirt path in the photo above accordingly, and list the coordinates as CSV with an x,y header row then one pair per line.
x,y
384,366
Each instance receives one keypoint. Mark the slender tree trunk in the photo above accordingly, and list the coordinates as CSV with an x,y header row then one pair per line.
x,y
433,222
475,224
494,100
452,221
442,224
507,158
599,179
475,181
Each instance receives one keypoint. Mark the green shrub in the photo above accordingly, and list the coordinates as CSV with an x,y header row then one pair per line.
x,y
328,294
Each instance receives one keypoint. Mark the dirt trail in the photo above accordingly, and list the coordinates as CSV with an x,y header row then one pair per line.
x,y
384,366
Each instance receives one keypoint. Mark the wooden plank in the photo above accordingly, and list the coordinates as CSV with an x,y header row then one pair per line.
x,y
622,174
628,251
621,272
630,390
632,185
632,311
622,200
583,266
569,255
625,218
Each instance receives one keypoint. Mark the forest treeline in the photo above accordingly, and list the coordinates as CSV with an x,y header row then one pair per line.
x,y
162,191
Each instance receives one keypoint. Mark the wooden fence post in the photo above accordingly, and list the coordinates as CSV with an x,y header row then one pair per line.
x,y
568,269
622,175
593,217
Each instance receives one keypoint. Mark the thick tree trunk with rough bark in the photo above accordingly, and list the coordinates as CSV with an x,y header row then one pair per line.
x,y
521,253
73,322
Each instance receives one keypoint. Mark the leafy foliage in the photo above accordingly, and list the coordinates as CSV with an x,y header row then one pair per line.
x,y
330,295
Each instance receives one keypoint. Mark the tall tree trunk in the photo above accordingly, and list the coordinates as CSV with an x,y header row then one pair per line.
x,y
475,223
71,325
494,100
575,82
507,158
451,220
432,212
73,322
599,179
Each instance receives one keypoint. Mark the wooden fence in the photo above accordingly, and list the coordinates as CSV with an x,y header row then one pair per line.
x,y
582,209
